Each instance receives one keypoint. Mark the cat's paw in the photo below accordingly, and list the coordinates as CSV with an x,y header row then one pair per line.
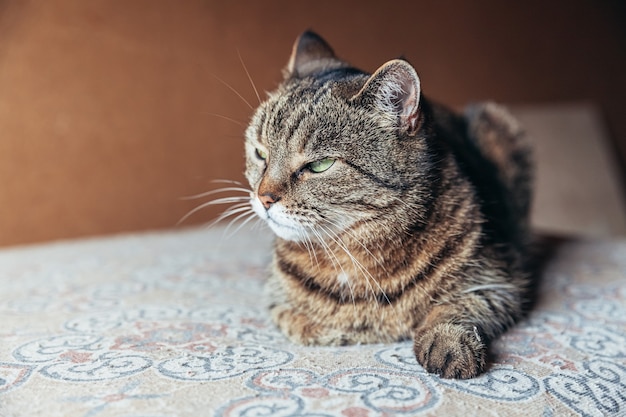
x,y
299,328
296,326
450,351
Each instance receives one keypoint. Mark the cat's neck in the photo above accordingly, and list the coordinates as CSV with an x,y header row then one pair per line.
x,y
363,255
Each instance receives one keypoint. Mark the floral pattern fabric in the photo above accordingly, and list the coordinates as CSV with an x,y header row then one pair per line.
x,y
174,324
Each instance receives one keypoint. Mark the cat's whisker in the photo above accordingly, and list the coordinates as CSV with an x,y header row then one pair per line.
x,y
302,241
243,200
306,241
225,181
230,119
352,235
233,90
366,273
225,200
251,215
258,223
330,252
234,210
216,191
369,277
249,77
323,245
348,280
490,287
231,211
335,237
419,214
314,252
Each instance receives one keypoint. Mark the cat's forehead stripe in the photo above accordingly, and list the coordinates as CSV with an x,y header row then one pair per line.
x,y
261,126
292,125
291,110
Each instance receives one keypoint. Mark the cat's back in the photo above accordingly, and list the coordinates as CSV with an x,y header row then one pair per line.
x,y
492,150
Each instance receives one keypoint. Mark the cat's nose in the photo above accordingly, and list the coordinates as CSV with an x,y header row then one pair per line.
x,y
268,199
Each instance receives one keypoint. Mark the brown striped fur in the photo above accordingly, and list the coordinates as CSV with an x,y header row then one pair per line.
x,y
417,230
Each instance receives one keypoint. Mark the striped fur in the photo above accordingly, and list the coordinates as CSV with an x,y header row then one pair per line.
x,y
417,230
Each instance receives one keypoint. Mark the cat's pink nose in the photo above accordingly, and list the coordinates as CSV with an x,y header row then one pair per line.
x,y
268,199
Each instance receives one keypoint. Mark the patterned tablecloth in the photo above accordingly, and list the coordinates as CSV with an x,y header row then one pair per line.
x,y
174,324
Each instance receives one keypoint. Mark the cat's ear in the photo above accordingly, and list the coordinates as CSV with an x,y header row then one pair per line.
x,y
311,54
394,89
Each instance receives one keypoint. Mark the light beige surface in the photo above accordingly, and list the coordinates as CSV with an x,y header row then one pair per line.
x,y
577,191
172,324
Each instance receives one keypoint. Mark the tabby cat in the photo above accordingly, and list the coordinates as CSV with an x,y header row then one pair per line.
x,y
395,218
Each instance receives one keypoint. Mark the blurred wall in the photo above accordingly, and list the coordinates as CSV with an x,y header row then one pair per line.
x,y
111,110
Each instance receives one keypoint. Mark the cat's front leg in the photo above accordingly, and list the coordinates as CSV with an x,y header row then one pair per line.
x,y
295,325
301,329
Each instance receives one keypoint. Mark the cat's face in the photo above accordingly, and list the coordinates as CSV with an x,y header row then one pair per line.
x,y
333,147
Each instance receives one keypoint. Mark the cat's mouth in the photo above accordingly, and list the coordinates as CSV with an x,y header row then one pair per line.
x,y
281,224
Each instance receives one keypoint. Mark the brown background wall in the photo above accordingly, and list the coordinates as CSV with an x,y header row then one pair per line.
x,y
107,106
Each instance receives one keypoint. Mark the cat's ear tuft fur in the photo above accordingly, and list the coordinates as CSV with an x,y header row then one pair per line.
x,y
394,89
311,54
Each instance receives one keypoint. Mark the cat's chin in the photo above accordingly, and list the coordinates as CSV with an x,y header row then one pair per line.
x,y
279,226
286,232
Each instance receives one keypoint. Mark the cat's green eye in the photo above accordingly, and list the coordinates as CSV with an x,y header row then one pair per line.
x,y
261,154
321,165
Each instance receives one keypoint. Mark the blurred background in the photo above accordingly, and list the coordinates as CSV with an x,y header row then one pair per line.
x,y
111,111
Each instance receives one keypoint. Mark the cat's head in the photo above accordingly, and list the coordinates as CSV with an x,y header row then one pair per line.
x,y
333,146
